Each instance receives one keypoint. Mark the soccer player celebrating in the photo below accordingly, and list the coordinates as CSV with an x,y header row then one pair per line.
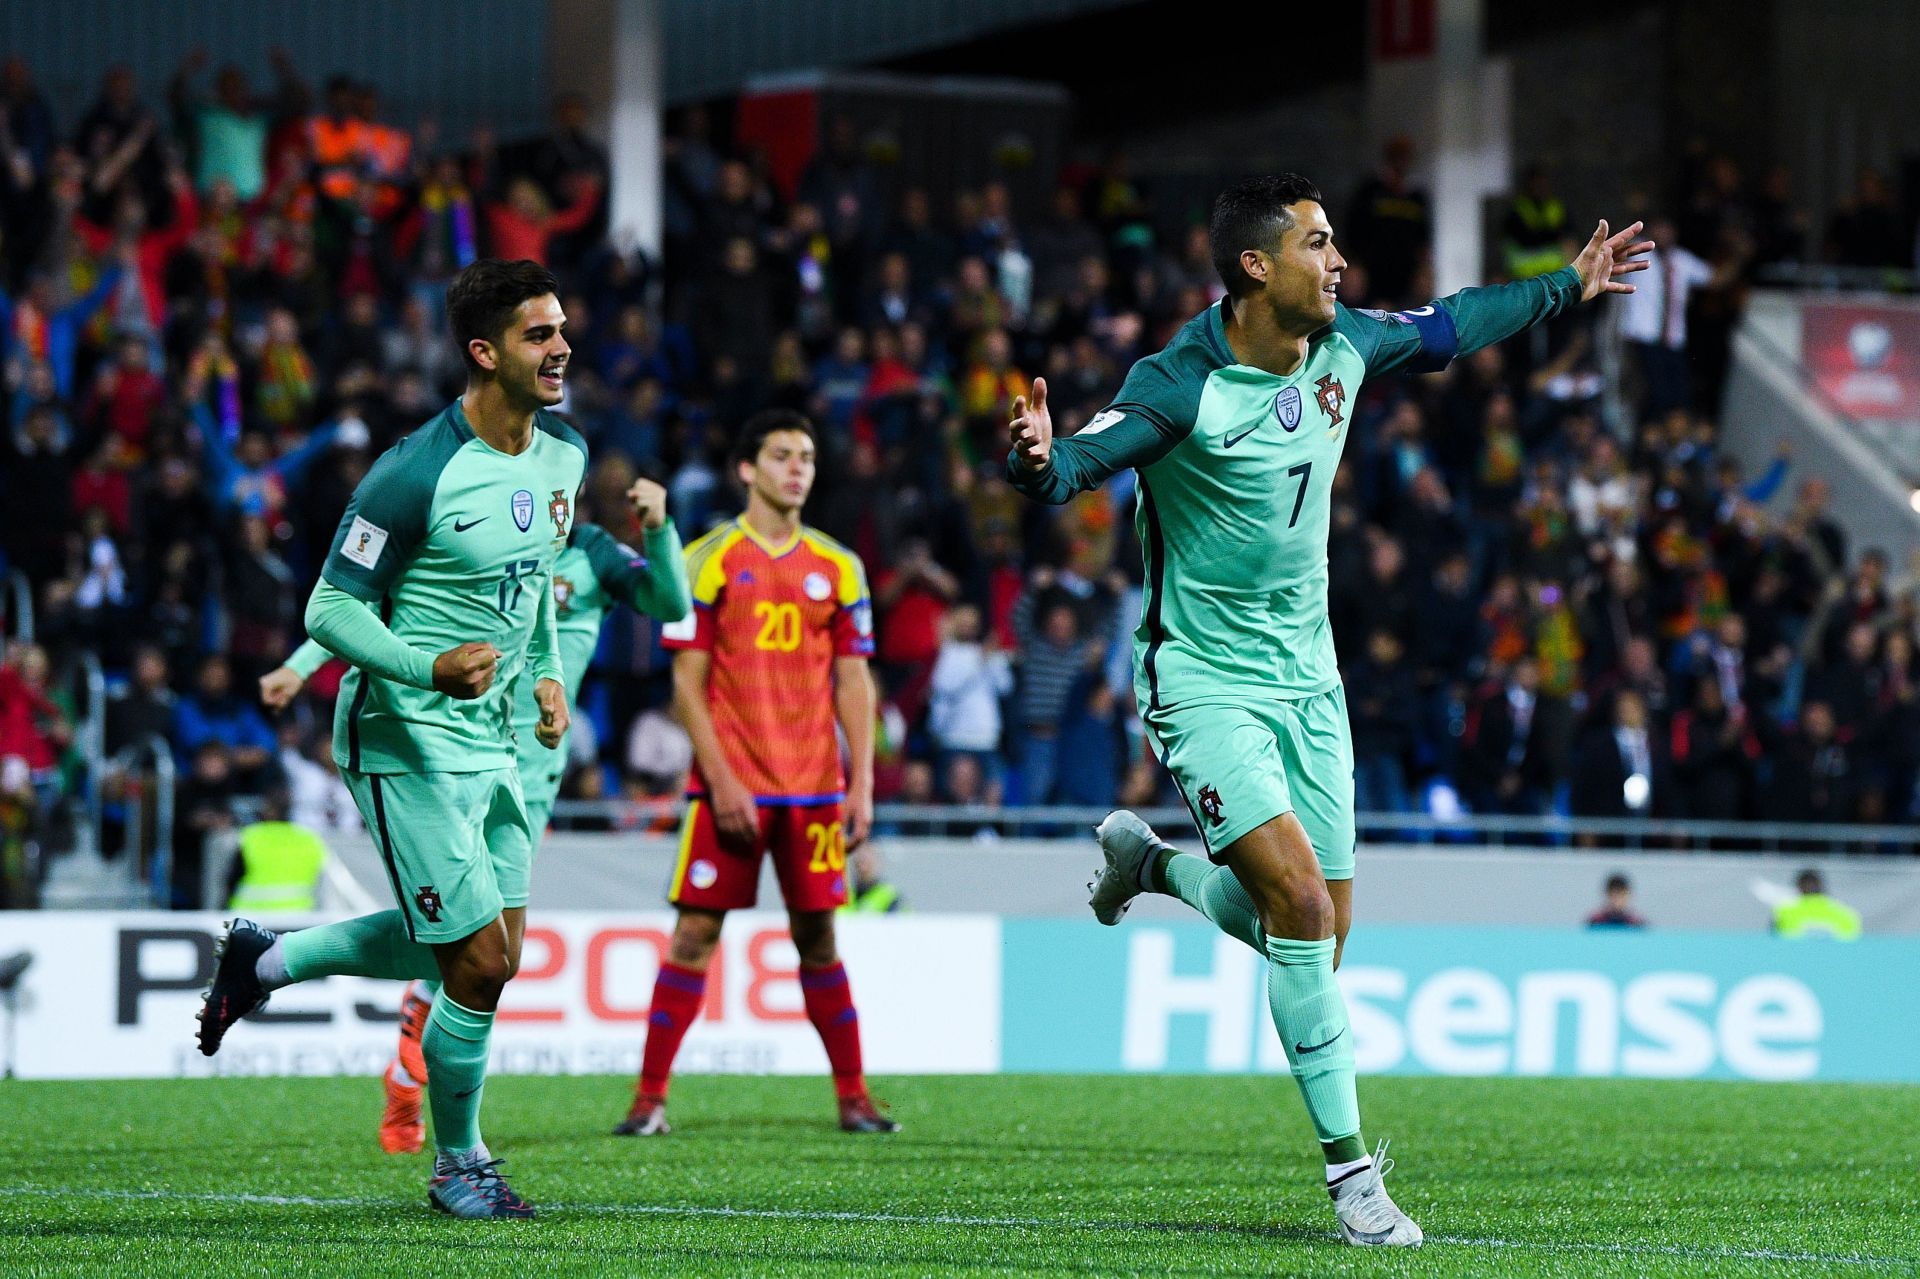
x,y
773,652
440,582
1236,429
594,574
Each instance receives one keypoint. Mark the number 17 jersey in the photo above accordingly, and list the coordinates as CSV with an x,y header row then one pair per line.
x,y
453,542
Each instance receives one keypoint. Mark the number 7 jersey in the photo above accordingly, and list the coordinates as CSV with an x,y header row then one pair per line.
x,y
775,617
1236,472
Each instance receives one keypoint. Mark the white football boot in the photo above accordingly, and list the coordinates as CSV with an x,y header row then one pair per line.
x,y
1128,843
1367,1214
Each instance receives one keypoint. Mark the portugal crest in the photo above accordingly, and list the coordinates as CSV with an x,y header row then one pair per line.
x,y
557,511
1331,396
428,900
1210,803
1286,407
563,595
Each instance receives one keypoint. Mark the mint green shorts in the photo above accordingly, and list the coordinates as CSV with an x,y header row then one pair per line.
x,y
458,847
1242,764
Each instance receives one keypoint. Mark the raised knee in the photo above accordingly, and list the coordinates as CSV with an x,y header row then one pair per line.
x,y
1295,907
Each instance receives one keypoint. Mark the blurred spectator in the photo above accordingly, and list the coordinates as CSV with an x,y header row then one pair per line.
x,y
1714,753
1653,318
279,862
227,134
1383,704
1617,910
1867,230
1533,234
1389,225
1812,913
1093,743
1620,767
214,712
1507,757
911,598
1813,777
203,808
659,753
34,728
144,707
317,798
1053,654
969,680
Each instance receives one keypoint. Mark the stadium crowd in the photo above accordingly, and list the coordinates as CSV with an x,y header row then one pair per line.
x,y
219,305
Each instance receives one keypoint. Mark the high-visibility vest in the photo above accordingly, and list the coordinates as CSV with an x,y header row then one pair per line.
x,y
1544,218
1817,915
280,869
878,898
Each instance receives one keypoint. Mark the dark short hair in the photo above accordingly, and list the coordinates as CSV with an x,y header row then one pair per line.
x,y
1809,881
756,429
1253,214
1617,883
483,298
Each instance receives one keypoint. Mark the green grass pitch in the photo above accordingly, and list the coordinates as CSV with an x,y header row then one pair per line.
x,y
1058,1175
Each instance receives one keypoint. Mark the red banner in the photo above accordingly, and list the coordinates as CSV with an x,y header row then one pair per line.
x,y
1402,29
1865,357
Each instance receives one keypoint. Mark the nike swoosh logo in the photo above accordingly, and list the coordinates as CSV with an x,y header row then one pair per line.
x,y
1303,1050
458,527
468,1093
1229,441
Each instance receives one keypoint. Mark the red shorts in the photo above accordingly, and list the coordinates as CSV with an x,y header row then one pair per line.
x,y
809,848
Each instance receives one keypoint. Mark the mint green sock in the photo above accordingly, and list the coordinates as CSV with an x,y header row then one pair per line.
x,y
455,1047
369,946
1214,891
1312,1020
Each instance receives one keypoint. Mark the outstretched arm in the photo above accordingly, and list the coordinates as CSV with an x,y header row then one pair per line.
x,y
1426,338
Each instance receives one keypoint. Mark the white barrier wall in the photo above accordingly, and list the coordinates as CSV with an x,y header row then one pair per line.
x,y
113,995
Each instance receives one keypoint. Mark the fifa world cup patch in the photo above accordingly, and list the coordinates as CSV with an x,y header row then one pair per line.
x,y
428,900
557,511
364,542
817,586
1209,799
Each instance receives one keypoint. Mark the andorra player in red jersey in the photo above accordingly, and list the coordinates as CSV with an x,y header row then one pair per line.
x,y
774,651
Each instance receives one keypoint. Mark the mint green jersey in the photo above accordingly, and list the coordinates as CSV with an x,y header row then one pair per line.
x,y
593,575
453,542
1236,473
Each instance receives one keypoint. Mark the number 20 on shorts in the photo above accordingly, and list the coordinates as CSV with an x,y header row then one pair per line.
x,y
779,626
829,845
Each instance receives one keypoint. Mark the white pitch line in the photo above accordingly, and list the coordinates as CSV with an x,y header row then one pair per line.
x,y
945,1219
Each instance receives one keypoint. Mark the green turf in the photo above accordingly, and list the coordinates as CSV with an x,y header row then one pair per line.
x,y
993,1176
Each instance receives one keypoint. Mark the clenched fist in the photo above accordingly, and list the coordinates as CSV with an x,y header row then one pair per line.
x,y
649,503
466,672
555,718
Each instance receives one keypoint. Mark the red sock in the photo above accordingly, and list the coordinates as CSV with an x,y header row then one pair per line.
x,y
677,993
830,1008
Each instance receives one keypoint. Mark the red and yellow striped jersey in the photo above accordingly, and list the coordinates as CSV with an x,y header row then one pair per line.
x,y
775,618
